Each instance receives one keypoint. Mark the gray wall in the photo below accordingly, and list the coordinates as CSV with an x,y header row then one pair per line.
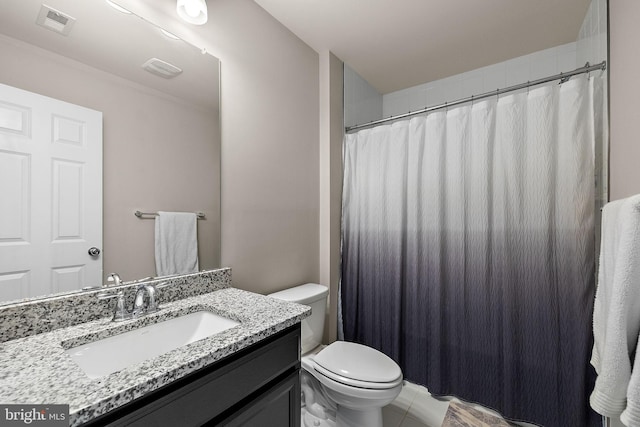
x,y
149,162
624,145
624,96
331,136
270,143
270,154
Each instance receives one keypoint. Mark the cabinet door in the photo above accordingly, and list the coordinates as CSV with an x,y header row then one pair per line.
x,y
280,406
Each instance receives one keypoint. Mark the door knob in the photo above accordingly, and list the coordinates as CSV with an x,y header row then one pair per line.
x,y
94,252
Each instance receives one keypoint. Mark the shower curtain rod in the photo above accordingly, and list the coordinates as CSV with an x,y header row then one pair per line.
x,y
562,77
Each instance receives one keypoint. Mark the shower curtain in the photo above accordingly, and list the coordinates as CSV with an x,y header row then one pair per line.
x,y
468,249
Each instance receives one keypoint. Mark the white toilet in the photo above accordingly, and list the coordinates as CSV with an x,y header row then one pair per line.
x,y
356,381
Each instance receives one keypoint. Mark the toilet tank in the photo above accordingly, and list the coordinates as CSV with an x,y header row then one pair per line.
x,y
315,296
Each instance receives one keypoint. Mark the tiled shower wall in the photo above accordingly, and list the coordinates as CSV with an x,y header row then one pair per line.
x,y
486,79
592,39
592,47
363,103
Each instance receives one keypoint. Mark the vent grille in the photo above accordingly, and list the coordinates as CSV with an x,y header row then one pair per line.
x,y
54,20
161,68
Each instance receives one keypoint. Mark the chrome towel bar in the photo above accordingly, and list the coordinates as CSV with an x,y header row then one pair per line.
x,y
152,215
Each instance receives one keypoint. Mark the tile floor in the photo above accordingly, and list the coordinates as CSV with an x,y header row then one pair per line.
x,y
415,407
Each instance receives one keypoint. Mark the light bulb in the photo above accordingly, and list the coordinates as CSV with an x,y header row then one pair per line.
x,y
192,11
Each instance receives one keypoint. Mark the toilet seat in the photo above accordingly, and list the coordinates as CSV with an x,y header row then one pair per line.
x,y
356,383
359,366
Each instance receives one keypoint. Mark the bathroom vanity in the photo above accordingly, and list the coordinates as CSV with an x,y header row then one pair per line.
x,y
247,374
256,386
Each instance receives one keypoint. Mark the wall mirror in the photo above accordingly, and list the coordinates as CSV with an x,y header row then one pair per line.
x,y
160,137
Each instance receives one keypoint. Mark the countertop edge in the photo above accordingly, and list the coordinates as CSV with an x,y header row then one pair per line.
x,y
35,369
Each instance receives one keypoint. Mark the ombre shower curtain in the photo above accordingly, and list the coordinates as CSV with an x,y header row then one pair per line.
x,y
468,249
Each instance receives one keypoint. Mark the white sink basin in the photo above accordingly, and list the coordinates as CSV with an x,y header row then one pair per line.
x,y
112,354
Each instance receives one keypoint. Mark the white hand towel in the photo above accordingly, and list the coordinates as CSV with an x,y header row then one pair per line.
x,y
616,320
176,243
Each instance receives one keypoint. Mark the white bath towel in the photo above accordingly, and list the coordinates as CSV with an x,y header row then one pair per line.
x,y
616,319
176,243
631,415
610,236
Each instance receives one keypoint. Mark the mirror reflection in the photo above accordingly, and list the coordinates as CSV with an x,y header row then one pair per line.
x,y
160,145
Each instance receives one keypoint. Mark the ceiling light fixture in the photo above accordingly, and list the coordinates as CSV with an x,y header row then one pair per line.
x,y
118,7
168,34
192,11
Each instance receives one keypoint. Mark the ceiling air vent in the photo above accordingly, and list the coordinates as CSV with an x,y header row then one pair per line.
x,y
161,68
55,20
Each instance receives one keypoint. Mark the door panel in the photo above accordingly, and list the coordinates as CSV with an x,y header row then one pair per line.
x,y
50,195
64,279
15,191
66,196
13,285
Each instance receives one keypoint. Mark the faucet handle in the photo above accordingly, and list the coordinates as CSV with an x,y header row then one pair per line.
x,y
119,311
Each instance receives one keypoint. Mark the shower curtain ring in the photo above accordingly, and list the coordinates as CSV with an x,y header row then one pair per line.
x,y
587,65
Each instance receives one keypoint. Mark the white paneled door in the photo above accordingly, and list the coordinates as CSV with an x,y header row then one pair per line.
x,y
50,195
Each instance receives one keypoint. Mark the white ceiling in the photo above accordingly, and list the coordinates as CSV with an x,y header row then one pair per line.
x,y
117,43
395,44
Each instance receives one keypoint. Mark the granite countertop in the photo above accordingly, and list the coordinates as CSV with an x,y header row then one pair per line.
x,y
36,369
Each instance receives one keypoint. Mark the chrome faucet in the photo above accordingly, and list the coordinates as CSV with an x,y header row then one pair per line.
x,y
114,277
141,305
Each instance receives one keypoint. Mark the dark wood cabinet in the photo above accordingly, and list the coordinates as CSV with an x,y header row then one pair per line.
x,y
279,406
257,386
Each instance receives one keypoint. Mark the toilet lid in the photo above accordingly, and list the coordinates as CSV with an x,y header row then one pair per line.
x,y
350,361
